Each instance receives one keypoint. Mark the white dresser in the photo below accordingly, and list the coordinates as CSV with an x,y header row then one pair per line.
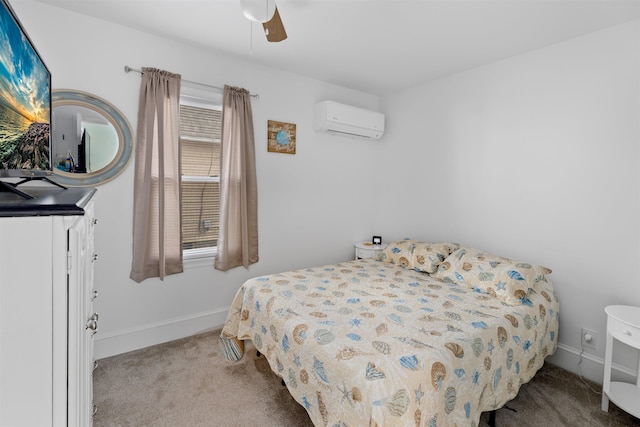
x,y
47,320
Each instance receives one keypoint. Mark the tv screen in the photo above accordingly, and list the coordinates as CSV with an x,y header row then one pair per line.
x,y
25,102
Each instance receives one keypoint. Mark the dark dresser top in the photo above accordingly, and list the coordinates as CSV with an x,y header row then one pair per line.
x,y
47,201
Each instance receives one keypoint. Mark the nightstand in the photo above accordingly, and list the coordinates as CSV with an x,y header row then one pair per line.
x,y
368,250
623,324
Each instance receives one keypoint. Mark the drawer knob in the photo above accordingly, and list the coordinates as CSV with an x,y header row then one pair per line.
x,y
627,332
92,324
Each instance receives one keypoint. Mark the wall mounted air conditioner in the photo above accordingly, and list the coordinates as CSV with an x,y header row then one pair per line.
x,y
340,119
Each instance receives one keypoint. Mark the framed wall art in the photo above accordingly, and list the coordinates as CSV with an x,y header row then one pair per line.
x,y
281,137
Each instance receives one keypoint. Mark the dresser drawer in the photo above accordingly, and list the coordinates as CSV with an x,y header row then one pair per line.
x,y
624,332
364,253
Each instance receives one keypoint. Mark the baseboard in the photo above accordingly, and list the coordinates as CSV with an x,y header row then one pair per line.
x,y
588,366
126,340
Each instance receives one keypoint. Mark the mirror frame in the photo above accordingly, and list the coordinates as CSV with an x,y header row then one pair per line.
x,y
61,97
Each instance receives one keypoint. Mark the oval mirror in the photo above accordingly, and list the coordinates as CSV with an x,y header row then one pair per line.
x,y
91,139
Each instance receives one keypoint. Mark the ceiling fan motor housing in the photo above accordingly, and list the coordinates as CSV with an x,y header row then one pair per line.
x,y
258,10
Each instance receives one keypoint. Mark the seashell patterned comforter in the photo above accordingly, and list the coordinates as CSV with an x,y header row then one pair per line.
x,y
369,343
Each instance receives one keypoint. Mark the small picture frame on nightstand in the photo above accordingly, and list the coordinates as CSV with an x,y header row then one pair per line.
x,y
377,240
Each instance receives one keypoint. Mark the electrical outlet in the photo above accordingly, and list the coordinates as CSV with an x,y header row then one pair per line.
x,y
589,338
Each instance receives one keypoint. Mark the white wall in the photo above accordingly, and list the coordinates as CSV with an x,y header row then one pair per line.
x,y
536,158
312,205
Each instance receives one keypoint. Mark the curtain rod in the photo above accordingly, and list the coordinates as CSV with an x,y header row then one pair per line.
x,y
128,69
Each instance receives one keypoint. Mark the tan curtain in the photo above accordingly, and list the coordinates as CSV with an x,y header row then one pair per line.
x,y
157,240
238,233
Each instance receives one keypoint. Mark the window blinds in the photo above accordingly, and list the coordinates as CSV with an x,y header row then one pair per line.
x,y
200,133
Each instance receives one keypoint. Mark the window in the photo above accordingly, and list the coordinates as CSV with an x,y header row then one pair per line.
x,y
200,134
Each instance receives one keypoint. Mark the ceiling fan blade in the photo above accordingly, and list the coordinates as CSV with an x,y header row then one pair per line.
x,y
274,29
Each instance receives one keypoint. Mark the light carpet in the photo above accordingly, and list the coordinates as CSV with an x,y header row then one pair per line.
x,y
188,383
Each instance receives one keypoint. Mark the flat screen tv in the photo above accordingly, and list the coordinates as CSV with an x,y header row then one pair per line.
x,y
25,102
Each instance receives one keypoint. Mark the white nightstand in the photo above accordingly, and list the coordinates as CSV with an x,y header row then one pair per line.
x,y
623,324
368,249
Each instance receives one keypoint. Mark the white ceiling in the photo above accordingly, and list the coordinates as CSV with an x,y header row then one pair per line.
x,y
372,46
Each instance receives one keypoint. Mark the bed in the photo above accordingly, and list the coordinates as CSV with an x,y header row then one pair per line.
x,y
427,334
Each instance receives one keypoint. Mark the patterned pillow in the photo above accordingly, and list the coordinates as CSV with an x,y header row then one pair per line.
x,y
490,274
420,256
